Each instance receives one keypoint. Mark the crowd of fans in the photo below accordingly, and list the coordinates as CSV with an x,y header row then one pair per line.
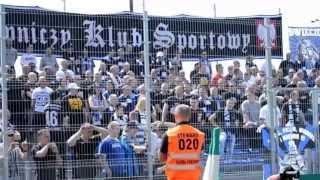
x,y
74,119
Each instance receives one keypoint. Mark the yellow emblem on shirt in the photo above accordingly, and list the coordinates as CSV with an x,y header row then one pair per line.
x,y
75,103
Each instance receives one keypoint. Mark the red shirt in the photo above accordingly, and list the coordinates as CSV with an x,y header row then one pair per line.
x,y
215,79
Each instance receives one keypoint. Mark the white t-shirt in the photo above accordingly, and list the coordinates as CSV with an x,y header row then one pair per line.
x,y
41,97
60,73
155,143
28,58
264,114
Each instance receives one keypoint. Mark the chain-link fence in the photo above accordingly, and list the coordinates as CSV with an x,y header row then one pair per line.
x,y
78,105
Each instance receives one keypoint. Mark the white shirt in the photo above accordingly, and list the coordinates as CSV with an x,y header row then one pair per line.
x,y
41,96
264,114
28,58
60,72
155,144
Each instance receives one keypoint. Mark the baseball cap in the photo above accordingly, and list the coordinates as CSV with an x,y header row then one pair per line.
x,y
60,75
159,54
73,86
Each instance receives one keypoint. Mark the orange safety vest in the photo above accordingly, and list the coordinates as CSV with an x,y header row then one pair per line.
x,y
184,148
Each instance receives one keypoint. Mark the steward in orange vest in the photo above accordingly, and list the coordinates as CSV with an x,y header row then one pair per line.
x,y
181,148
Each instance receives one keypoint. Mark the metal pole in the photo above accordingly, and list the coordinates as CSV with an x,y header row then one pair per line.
x,y
131,5
214,10
64,5
270,100
315,114
4,92
147,89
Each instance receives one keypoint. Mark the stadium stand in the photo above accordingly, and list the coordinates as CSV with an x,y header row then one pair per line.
x,y
71,115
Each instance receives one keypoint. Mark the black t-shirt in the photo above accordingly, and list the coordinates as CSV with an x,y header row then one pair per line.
x,y
198,117
73,107
159,99
62,92
198,77
235,95
28,87
227,120
304,101
172,102
15,87
86,150
86,86
53,115
45,165
285,66
290,112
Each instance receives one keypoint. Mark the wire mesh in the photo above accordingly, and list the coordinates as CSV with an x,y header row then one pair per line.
x,y
73,74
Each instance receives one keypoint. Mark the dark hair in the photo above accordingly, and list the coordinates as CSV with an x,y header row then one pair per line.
x,y
118,106
54,96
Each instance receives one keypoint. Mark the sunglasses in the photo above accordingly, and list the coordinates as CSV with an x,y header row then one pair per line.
x,y
10,135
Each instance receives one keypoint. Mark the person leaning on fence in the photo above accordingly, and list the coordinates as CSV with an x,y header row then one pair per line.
x,y
114,152
84,144
250,109
46,156
181,148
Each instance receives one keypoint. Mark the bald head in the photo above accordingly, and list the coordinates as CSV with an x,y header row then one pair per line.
x,y
182,113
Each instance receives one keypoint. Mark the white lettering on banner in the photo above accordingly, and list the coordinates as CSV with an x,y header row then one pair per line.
x,y
246,42
202,39
65,37
33,34
192,41
23,35
301,31
136,37
10,33
42,36
221,42
163,37
98,36
212,36
307,133
288,137
122,39
233,41
110,35
53,37
182,41
93,34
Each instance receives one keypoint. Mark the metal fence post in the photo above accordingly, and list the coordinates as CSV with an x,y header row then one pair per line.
x,y
147,89
315,114
4,92
270,100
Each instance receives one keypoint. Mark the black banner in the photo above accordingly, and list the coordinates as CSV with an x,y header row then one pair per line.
x,y
100,34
